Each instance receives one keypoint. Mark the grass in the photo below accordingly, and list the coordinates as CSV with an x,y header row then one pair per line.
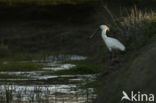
x,y
11,94
20,57
41,55
134,30
19,62
137,74
137,65
80,69
19,66
8,76
133,26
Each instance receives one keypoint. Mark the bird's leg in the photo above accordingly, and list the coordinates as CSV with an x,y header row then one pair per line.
x,y
111,56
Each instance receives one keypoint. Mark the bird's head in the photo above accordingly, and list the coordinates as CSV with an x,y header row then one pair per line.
x,y
104,27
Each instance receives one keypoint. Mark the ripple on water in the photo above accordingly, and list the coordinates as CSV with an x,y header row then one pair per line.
x,y
60,67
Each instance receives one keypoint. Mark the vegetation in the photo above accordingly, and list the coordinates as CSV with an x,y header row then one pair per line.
x,y
8,76
137,75
80,69
134,28
19,66
66,28
137,68
35,95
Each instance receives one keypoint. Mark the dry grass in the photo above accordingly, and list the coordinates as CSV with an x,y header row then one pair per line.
x,y
132,28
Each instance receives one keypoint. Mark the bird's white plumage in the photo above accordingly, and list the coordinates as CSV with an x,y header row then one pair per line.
x,y
110,42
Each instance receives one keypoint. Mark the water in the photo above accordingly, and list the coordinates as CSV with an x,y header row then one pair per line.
x,y
52,92
59,67
44,87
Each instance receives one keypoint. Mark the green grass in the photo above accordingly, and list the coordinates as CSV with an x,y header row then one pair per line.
x,y
8,76
20,62
41,55
20,66
80,69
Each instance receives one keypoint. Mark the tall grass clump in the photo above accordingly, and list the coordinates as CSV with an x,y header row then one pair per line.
x,y
134,26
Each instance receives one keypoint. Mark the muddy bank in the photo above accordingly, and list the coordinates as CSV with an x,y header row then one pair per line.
x,y
137,74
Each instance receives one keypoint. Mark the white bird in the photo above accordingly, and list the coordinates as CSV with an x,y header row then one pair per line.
x,y
110,42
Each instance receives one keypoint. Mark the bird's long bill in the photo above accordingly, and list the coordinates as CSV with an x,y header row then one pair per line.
x,y
94,33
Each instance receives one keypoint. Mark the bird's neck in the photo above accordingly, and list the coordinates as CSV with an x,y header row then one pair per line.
x,y
104,36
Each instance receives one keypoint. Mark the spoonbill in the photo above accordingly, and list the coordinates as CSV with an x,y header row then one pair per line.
x,y
110,42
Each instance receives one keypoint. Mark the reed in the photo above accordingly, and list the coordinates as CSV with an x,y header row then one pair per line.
x,y
11,94
132,26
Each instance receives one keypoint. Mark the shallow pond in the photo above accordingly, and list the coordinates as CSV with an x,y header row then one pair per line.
x,y
44,87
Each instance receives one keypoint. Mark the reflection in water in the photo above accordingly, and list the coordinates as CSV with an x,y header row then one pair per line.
x,y
60,58
69,93
43,87
59,67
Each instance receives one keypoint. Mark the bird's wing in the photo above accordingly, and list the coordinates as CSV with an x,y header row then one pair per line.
x,y
117,44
